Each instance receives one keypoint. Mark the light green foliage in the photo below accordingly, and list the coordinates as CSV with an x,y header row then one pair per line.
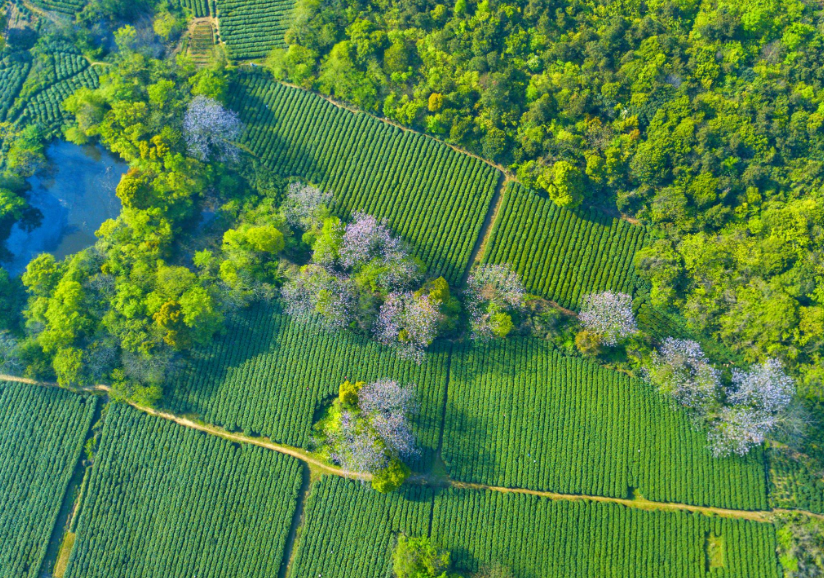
x,y
68,366
432,197
701,119
564,183
295,63
634,438
578,539
250,250
501,324
350,529
327,242
123,296
35,473
348,392
562,254
11,206
418,558
240,499
390,478
167,25
587,343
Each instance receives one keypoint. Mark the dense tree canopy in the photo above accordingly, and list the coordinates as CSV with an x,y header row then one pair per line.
x,y
701,118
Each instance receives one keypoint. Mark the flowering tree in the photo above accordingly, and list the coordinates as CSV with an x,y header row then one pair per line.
x,y
739,416
368,246
367,429
680,369
316,293
387,405
361,273
408,323
210,129
758,399
608,315
493,293
305,205
354,447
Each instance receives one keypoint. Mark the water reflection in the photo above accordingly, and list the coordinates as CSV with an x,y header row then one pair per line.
x,y
75,195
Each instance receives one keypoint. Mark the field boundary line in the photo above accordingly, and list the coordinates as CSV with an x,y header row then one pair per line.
x,y
318,466
488,224
253,63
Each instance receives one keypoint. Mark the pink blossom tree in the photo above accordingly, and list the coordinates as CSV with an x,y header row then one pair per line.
x,y
408,323
493,294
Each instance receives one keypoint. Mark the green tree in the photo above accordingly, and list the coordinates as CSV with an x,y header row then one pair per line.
x,y
419,558
391,477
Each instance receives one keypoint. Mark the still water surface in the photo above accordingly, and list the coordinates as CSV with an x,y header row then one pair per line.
x,y
75,194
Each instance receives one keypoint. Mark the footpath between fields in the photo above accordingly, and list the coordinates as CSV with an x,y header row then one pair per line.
x,y
319,467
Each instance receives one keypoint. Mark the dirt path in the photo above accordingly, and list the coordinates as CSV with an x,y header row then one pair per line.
x,y
318,466
486,229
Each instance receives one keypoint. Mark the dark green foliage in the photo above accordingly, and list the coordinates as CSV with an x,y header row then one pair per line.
x,y
270,375
432,196
41,438
564,539
795,481
252,28
562,254
521,415
349,529
165,500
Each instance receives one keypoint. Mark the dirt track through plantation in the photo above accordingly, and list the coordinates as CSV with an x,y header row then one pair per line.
x,y
318,466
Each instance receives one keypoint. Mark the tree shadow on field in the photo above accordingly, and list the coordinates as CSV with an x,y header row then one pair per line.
x,y
468,451
286,148
246,335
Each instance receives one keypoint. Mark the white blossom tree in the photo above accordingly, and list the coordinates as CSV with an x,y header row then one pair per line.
x,y
367,437
680,369
757,403
608,315
211,131
305,205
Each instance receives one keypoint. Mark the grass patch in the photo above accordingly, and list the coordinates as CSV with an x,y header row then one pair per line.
x,y
714,550
63,554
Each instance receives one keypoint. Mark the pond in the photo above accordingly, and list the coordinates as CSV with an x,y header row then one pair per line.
x,y
75,194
